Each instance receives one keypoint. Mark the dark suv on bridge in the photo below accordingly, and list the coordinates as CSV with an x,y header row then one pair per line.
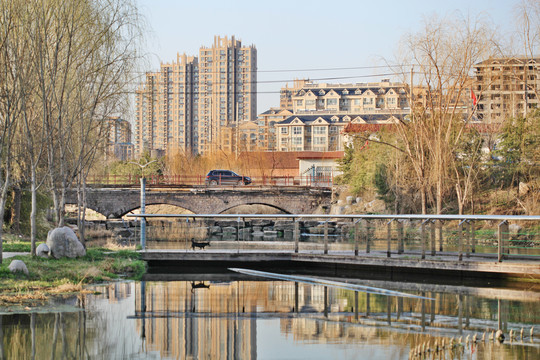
x,y
226,177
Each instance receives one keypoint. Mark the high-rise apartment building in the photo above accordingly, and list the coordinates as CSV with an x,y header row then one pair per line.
x,y
190,103
166,107
227,89
118,133
506,87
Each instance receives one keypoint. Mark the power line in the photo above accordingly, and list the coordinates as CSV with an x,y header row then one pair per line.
x,y
158,83
288,70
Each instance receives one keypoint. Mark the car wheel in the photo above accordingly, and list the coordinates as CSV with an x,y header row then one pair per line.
x,y
213,182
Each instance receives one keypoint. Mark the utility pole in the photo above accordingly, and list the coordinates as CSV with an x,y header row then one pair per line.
x,y
143,202
237,130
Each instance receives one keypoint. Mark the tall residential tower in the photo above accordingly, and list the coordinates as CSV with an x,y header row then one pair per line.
x,y
190,103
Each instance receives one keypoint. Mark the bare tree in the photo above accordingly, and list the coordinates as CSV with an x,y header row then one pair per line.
x,y
443,54
10,49
85,53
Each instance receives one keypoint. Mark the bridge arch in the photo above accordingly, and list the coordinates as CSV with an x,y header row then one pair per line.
x,y
259,203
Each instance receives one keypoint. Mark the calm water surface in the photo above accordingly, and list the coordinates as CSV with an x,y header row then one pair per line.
x,y
230,317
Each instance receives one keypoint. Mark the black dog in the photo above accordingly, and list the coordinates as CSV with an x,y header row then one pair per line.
x,y
199,244
199,285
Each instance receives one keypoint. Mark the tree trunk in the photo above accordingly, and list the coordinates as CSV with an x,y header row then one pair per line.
x,y
3,198
33,212
423,199
16,210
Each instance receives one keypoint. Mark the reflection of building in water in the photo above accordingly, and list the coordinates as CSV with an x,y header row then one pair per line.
x,y
219,320
209,320
188,320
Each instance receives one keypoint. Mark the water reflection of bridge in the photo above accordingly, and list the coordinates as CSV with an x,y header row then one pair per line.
x,y
178,318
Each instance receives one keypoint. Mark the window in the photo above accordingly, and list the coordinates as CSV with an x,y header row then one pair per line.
x,y
319,130
299,102
331,102
284,130
319,140
297,141
297,130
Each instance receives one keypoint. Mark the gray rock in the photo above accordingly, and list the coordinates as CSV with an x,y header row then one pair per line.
x,y
18,265
257,235
288,234
349,200
229,231
514,230
270,237
43,250
63,242
261,222
214,229
524,188
311,223
358,200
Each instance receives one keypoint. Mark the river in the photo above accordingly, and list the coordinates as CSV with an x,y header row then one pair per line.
x,y
232,316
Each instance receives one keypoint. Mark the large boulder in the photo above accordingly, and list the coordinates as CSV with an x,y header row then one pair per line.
x,y
63,242
18,265
42,250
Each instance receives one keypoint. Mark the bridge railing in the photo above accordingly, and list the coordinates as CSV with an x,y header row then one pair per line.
x,y
424,236
199,180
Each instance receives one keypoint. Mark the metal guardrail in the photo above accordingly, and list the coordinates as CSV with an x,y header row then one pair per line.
x,y
393,232
199,180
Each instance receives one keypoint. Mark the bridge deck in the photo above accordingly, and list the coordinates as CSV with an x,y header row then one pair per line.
x,y
445,263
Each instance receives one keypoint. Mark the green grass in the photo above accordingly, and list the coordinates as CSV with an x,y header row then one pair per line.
x,y
97,266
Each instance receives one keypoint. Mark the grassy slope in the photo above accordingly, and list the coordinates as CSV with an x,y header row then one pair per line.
x,y
52,276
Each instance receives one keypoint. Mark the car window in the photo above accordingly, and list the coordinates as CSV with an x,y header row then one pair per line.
x,y
227,173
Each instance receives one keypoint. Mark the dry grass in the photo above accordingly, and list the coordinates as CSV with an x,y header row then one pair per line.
x,y
23,298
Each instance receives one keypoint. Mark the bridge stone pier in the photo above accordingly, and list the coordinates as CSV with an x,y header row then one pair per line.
x,y
115,202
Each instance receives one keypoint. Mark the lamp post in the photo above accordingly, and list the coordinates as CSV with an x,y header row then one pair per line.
x,y
143,202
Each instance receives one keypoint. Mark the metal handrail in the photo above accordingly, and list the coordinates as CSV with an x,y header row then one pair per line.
x,y
351,216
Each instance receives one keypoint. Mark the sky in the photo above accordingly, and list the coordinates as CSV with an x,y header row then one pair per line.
x,y
298,38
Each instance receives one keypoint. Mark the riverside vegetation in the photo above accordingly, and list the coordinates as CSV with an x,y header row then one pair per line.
x,y
49,277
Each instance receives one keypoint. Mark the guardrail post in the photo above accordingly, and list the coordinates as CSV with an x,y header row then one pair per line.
x,y
460,243
367,233
357,231
432,228
400,237
388,237
423,237
296,234
143,211
238,229
501,237
326,237
473,238
468,248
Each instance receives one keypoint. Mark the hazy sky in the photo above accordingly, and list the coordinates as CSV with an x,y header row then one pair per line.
x,y
303,34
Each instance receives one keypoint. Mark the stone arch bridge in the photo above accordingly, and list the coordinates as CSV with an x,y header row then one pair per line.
x,y
116,202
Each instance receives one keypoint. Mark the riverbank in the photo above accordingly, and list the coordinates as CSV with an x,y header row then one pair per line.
x,y
48,278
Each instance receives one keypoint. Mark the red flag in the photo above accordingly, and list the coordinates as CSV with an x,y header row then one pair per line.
x,y
473,97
